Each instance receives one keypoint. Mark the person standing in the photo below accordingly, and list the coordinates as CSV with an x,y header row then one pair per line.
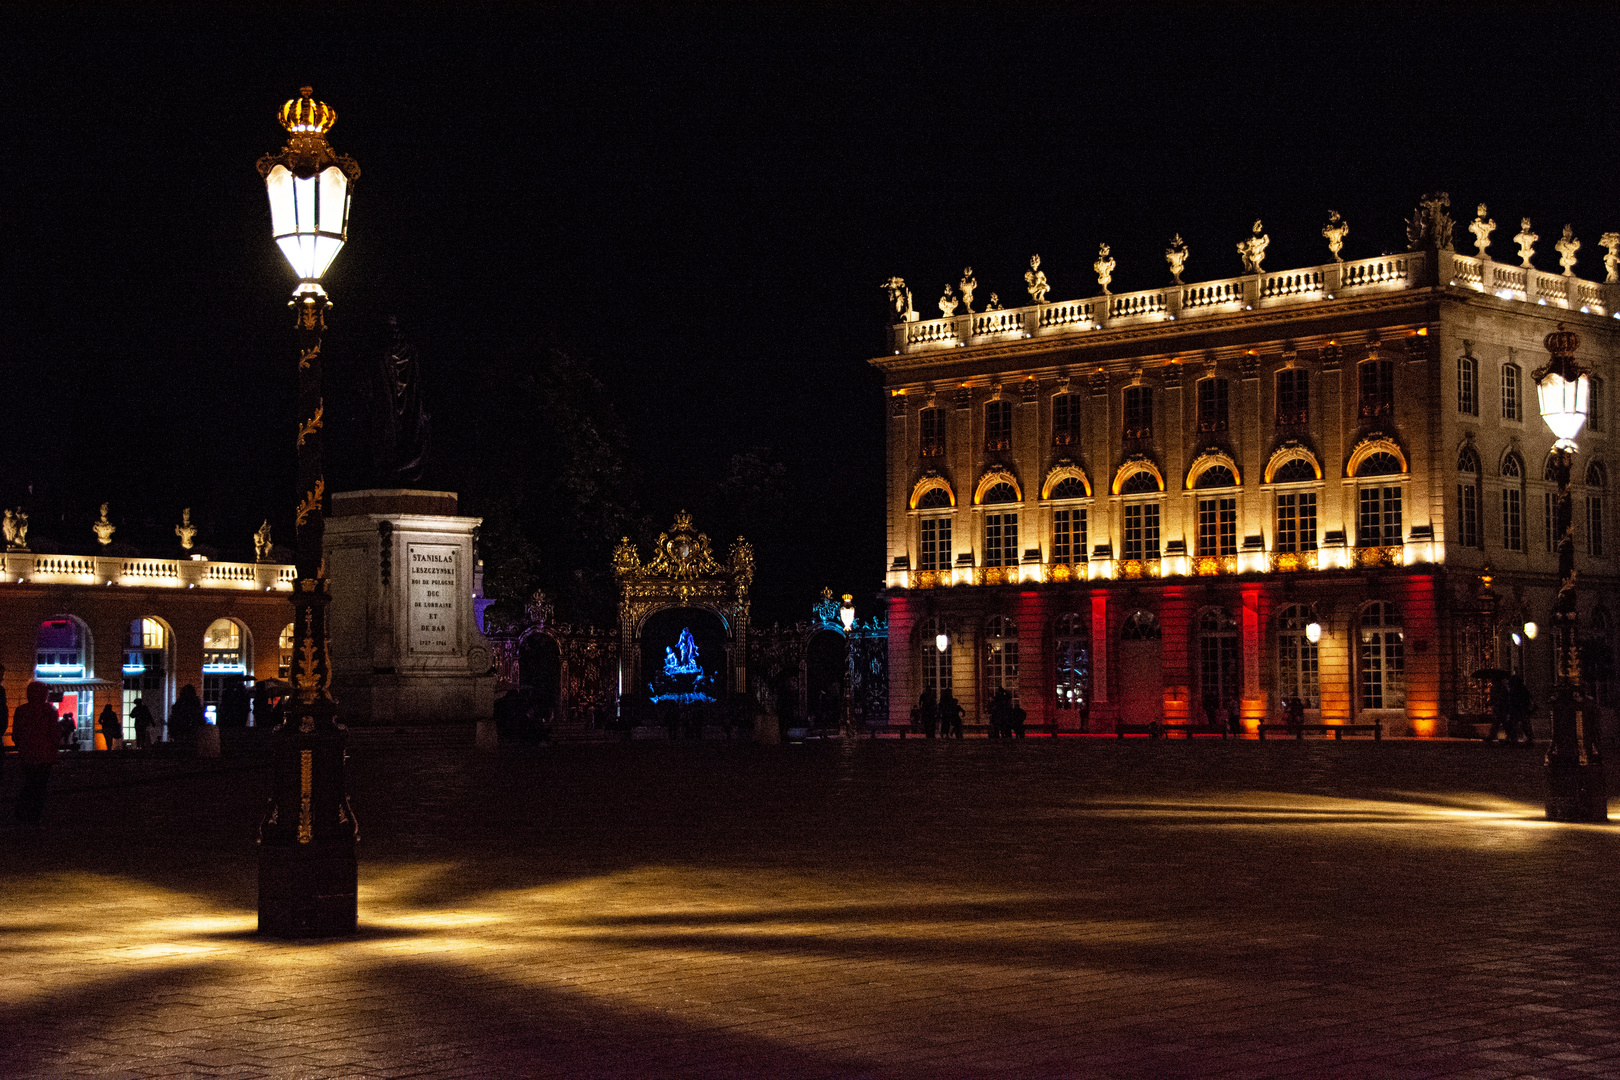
x,y
1520,706
112,730
950,715
5,721
141,717
34,729
186,717
928,713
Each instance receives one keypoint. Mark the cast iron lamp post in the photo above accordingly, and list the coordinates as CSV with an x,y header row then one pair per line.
x,y
1576,790
307,872
846,615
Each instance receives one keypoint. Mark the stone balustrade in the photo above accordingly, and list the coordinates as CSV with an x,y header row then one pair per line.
x,y
45,569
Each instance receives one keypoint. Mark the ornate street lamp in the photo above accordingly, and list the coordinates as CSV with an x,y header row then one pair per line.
x,y
307,872
1576,789
846,615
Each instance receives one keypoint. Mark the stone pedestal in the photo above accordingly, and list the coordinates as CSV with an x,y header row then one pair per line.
x,y
405,647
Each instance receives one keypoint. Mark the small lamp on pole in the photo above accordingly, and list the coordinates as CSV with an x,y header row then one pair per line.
x,y
1576,787
846,615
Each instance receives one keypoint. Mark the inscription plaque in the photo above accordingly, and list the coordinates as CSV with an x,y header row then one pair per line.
x,y
434,597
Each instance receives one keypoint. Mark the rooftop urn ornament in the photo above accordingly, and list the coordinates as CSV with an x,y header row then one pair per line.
x,y
186,531
1610,242
994,304
104,529
899,299
261,543
1335,231
1253,249
1176,255
1527,243
968,284
1105,269
948,302
1482,227
1035,279
1566,247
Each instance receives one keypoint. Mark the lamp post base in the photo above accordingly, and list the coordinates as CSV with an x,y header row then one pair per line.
x,y
308,893
1577,793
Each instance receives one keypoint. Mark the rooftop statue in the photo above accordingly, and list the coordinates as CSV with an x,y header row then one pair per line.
x,y
967,285
104,528
400,424
1035,278
186,531
1176,255
1335,230
1526,241
994,304
1610,241
1482,229
1431,224
948,302
1253,249
899,299
1105,269
20,522
10,529
1567,246
261,543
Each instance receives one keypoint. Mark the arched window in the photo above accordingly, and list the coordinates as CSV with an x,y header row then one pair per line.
x,y
1294,471
1217,661
998,417
931,423
227,653
1070,487
1066,420
1140,626
934,499
1379,519
1212,404
1072,652
146,670
1597,657
62,661
284,664
1000,655
1383,658
1596,483
1468,386
1468,517
1216,476
935,662
1296,657
1140,523
1001,493
1512,503
1510,393
1141,482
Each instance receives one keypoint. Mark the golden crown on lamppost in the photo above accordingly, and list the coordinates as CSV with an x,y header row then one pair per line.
x,y
304,115
1562,343
309,186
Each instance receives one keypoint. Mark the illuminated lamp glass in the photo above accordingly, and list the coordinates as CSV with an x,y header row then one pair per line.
x,y
1530,629
1516,639
846,611
1313,632
309,217
1563,406
942,642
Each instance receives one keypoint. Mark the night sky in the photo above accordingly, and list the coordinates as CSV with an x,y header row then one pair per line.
x,y
701,201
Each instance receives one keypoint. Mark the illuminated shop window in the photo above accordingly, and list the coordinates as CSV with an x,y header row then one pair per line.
x,y
1072,654
225,654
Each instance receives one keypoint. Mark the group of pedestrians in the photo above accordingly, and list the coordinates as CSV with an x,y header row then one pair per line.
x,y
1006,716
1511,706
942,715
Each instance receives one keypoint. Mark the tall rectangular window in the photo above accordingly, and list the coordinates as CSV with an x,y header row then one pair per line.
x,y
1296,521
1468,515
932,424
1066,420
1001,539
1467,386
1379,522
1217,526
998,425
936,544
1510,392
1594,526
1293,397
1512,520
1377,388
1212,401
1138,412
1141,534
1069,535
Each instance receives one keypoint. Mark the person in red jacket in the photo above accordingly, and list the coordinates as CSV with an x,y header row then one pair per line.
x,y
34,731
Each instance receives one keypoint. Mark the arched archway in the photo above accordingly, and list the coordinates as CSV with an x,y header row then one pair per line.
x,y
539,676
227,660
62,661
683,656
148,672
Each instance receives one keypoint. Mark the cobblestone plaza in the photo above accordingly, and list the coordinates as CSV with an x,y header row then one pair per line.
x,y
1081,908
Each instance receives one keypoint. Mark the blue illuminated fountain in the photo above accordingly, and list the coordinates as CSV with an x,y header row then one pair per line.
x,y
683,678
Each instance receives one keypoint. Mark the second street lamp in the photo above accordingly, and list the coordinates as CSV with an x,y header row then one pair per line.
x,y
1576,788
846,615
307,871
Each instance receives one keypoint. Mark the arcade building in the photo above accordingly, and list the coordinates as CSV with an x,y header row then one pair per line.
x,y
1328,483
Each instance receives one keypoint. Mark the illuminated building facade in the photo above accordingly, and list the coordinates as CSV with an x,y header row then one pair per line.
x,y
1327,483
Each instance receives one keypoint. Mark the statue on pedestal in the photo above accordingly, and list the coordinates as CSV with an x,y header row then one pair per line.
x,y
1527,243
1567,246
10,529
1176,255
186,531
1253,249
1105,269
899,299
399,421
968,284
104,529
1610,242
261,543
1482,228
1035,279
1335,230
948,302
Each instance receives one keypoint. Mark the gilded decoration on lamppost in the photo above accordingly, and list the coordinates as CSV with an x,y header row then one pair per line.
x,y
1176,255
104,528
1482,227
1527,243
1035,280
1566,247
1335,231
968,285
